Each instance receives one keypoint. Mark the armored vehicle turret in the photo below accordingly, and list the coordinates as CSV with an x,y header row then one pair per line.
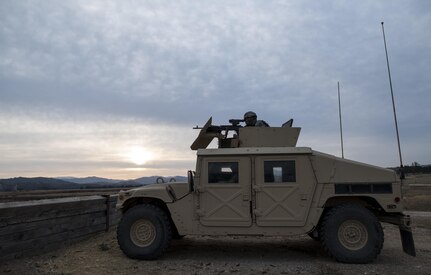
x,y
257,182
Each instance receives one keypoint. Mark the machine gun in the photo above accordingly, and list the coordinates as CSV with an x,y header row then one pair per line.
x,y
235,122
223,129
209,131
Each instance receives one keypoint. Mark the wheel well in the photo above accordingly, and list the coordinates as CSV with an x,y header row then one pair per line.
x,y
143,200
153,201
367,202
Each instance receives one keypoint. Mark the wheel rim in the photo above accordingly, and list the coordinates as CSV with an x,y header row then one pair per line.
x,y
142,233
353,235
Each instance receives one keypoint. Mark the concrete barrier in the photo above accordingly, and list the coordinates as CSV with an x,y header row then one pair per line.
x,y
31,227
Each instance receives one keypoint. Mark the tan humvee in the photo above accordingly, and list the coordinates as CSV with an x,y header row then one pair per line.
x,y
258,183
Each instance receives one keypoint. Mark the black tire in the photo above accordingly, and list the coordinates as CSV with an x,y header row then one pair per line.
x,y
144,232
351,233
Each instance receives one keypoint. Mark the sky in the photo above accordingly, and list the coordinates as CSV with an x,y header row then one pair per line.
x,y
114,88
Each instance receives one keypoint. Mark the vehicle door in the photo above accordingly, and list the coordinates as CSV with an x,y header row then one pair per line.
x,y
283,189
225,192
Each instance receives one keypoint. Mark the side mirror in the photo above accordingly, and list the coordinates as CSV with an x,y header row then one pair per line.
x,y
190,180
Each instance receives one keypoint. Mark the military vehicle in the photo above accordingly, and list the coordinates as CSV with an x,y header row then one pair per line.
x,y
257,182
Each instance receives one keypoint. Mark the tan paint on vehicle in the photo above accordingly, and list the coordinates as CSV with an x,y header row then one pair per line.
x,y
244,189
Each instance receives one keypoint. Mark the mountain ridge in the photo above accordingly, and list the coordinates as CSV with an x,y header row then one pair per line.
x,y
46,183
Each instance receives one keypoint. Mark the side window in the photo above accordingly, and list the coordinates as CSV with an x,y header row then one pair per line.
x,y
222,172
279,171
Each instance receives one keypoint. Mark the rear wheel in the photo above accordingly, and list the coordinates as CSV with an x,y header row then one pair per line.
x,y
144,232
351,234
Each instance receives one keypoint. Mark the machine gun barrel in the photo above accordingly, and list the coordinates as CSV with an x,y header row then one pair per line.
x,y
235,125
220,128
235,122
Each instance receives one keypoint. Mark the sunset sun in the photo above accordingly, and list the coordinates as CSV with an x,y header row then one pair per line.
x,y
139,155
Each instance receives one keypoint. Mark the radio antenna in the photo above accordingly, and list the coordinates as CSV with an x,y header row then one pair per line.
x,y
402,176
341,126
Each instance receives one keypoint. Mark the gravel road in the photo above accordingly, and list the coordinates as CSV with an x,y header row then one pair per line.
x,y
233,255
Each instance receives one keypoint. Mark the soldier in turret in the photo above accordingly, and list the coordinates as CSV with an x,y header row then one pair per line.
x,y
250,119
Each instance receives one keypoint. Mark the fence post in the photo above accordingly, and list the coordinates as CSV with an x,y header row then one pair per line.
x,y
108,210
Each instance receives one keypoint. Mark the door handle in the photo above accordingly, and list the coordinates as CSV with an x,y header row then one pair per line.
x,y
304,199
257,212
257,188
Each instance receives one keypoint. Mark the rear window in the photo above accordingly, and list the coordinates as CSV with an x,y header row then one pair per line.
x,y
279,171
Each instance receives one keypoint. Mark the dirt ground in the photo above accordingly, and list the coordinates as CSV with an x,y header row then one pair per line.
x,y
233,255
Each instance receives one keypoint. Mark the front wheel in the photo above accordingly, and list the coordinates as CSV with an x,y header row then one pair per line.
x,y
351,234
144,232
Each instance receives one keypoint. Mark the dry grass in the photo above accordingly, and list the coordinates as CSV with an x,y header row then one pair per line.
x,y
418,195
418,203
419,179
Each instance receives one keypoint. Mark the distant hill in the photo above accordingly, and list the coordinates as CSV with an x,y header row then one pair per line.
x,y
141,181
88,180
42,183
415,169
38,183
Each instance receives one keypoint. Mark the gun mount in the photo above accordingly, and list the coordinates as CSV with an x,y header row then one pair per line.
x,y
285,136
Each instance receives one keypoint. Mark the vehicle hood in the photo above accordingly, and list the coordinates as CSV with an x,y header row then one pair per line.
x,y
167,192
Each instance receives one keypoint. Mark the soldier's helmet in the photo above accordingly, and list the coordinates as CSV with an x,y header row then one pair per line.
x,y
250,118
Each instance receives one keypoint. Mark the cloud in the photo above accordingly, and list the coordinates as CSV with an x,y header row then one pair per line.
x,y
176,64
37,144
